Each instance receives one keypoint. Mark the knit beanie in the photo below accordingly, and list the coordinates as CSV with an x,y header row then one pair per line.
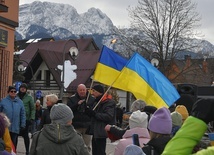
x,y
99,88
138,119
133,150
61,114
137,105
2,126
10,88
183,111
161,121
176,119
23,85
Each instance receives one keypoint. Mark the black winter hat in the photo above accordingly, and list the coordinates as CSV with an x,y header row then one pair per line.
x,y
99,88
10,88
23,85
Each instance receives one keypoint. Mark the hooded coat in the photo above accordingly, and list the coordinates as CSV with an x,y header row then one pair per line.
x,y
143,134
105,114
56,139
188,135
15,111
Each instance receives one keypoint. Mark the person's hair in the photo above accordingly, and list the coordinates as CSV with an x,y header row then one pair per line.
x,y
7,120
53,98
137,105
157,135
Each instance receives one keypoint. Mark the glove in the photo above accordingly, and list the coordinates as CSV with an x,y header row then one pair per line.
x,y
90,112
204,110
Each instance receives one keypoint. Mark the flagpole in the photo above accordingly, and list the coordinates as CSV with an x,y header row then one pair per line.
x,y
106,92
89,91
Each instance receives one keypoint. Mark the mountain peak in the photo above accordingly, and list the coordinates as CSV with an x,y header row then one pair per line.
x,y
55,16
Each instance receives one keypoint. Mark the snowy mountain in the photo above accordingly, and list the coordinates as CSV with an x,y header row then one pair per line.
x,y
61,21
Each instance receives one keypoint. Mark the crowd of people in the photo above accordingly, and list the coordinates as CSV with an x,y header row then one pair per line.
x,y
83,125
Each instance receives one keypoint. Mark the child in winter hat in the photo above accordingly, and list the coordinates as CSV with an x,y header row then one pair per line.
x,y
138,119
183,111
160,126
176,122
161,121
61,114
176,119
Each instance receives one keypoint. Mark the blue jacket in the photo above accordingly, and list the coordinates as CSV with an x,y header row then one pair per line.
x,y
15,111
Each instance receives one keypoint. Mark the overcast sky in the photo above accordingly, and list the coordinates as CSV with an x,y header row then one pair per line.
x,y
116,10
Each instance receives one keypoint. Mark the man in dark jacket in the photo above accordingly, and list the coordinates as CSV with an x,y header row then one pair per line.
x,y
30,110
81,121
103,113
59,137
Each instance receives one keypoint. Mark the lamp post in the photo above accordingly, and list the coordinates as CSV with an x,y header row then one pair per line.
x,y
74,53
21,68
128,94
155,59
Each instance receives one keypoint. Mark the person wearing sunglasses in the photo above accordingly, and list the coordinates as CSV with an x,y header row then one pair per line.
x,y
13,107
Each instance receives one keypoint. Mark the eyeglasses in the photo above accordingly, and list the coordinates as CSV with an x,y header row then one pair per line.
x,y
13,91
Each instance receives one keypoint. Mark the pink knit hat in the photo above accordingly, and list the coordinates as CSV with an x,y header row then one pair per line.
x,y
161,121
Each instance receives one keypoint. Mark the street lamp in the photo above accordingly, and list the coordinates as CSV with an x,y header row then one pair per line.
x,y
22,69
128,94
154,59
74,53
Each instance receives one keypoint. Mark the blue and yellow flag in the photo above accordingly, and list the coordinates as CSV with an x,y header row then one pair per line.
x,y
109,66
146,82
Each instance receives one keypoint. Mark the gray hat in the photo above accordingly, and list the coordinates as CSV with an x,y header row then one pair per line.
x,y
61,114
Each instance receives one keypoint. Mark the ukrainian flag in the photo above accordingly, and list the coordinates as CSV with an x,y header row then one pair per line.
x,y
109,66
146,82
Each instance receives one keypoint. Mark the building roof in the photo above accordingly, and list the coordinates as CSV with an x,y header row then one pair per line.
x,y
51,52
22,44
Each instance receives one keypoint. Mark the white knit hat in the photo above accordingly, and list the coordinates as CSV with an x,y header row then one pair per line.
x,y
61,114
138,119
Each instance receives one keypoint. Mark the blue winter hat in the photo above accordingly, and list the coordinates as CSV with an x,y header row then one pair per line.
x,y
133,150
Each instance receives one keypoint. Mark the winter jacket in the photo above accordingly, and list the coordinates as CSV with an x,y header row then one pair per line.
x,y
2,148
29,106
56,139
80,120
156,145
7,140
45,119
105,114
6,137
117,131
143,135
188,135
15,111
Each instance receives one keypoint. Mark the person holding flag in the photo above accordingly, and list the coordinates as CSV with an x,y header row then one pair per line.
x,y
102,113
